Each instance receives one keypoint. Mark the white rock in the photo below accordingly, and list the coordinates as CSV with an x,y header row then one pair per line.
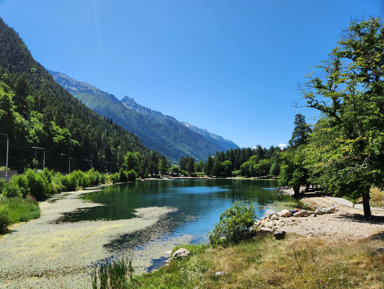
x,y
182,252
274,217
219,273
302,213
285,213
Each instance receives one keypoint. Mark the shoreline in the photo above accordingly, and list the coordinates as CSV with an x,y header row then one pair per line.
x,y
45,254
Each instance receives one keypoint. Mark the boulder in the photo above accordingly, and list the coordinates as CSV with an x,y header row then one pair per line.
x,y
323,211
265,231
285,213
274,217
279,235
302,213
181,253
219,273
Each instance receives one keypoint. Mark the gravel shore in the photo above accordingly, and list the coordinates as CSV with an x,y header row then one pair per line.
x,y
45,254
346,224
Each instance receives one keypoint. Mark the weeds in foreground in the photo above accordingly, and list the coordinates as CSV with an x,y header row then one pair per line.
x,y
114,275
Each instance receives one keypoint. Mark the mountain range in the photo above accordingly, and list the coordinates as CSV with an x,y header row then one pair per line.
x,y
36,113
157,131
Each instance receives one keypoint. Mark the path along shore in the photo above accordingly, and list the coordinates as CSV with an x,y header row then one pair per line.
x,y
346,224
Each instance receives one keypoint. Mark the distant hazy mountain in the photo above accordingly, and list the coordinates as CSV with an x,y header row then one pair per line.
x,y
158,132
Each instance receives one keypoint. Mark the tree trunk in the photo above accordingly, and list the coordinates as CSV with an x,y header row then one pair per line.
x,y
366,205
296,192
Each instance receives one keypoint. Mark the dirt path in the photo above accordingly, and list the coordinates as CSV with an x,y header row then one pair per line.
x,y
346,224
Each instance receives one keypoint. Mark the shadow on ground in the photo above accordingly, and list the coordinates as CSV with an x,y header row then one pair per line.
x,y
361,219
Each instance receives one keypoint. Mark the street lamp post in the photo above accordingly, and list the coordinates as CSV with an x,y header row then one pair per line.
x,y
90,162
69,162
39,148
6,159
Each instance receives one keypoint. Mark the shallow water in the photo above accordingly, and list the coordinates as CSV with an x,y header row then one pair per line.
x,y
199,204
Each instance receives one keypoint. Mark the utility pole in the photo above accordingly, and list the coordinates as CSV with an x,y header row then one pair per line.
x,y
69,162
39,148
90,162
6,159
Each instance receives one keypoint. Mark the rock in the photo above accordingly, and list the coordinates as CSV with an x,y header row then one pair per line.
x,y
322,211
319,212
269,224
302,213
168,261
219,273
280,235
285,213
168,253
181,253
265,231
380,249
274,217
268,213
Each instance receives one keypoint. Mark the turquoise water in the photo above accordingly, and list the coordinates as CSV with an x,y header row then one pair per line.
x,y
199,204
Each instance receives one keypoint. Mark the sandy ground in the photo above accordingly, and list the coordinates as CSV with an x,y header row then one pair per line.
x,y
45,254
346,224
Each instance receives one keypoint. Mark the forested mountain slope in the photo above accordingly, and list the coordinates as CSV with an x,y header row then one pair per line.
x,y
159,132
35,111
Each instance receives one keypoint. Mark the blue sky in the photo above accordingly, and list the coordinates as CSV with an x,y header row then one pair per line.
x,y
231,67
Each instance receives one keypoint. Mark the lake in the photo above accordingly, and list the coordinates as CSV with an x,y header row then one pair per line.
x,y
199,203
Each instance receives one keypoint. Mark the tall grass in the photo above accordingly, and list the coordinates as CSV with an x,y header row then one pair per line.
x,y
14,210
296,262
113,275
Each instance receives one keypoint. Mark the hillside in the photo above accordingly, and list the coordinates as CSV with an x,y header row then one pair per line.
x,y
35,111
158,132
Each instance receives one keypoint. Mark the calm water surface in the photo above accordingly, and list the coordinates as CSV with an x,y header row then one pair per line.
x,y
199,204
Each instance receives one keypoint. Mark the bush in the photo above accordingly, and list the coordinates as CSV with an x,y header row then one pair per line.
x,y
12,190
234,225
4,219
16,187
131,175
123,175
69,183
39,186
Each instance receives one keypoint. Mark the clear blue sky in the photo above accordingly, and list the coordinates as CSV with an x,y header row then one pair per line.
x,y
232,67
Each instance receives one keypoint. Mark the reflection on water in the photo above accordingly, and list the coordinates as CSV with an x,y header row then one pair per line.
x,y
199,204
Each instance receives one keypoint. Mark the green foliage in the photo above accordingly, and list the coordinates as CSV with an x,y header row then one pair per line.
x,y
4,219
14,210
39,185
69,183
132,161
293,171
234,225
300,132
113,275
131,176
20,209
347,150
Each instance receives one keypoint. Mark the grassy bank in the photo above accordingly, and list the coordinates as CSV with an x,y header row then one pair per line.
x,y
295,262
14,210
